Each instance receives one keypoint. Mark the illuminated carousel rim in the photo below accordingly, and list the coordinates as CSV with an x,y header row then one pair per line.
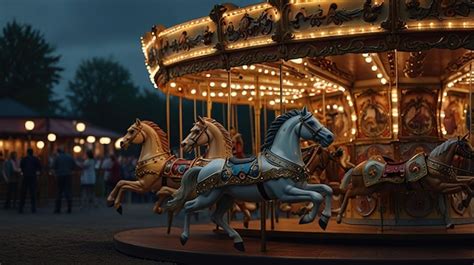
x,y
208,247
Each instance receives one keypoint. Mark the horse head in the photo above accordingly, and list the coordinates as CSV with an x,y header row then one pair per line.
x,y
311,129
198,136
134,135
464,147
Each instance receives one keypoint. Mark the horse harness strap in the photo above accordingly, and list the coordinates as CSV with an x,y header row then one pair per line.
x,y
283,163
442,168
140,169
284,169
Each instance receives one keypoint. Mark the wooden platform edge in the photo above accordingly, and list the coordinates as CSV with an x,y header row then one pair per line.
x,y
191,257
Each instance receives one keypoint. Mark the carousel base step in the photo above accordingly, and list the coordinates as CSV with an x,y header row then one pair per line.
x,y
289,229
206,247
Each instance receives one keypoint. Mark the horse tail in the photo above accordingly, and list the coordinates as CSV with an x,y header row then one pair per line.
x,y
185,191
346,179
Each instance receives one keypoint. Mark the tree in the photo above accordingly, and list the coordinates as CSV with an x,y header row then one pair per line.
x,y
103,93
29,69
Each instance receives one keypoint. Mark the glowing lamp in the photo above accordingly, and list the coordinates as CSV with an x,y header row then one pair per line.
x,y
90,139
40,144
51,137
80,127
76,149
105,140
29,125
117,143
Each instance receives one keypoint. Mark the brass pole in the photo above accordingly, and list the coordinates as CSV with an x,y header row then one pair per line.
x,y
263,208
229,110
324,107
168,114
252,134
197,151
229,101
209,102
281,87
470,99
180,126
236,117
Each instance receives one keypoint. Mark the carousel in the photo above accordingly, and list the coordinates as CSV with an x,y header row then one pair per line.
x,y
381,93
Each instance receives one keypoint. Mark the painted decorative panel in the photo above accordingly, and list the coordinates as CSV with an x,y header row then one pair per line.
x,y
373,114
418,112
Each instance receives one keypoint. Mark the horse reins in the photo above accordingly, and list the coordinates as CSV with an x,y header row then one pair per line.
x,y
314,132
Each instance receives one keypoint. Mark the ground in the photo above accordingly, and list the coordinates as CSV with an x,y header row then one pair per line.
x,y
82,237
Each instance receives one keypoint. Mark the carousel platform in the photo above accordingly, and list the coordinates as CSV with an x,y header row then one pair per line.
x,y
290,243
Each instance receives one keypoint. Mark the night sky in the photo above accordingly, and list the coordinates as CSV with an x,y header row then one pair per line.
x,y
81,29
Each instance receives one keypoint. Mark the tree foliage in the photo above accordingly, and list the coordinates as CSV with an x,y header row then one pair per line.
x,y
103,93
28,67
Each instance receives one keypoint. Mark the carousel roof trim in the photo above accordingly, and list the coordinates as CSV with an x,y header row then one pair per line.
x,y
283,29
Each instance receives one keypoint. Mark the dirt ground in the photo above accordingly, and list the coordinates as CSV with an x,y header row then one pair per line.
x,y
82,237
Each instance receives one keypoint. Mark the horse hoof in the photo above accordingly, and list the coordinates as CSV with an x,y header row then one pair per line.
x,y
338,219
119,210
158,210
304,220
323,224
110,203
239,246
450,226
183,240
246,224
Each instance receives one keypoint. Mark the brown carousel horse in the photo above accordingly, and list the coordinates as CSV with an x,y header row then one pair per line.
x,y
433,172
159,171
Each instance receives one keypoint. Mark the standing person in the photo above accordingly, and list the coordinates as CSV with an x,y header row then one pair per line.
x,y
31,167
238,143
63,166
11,175
106,167
88,179
115,175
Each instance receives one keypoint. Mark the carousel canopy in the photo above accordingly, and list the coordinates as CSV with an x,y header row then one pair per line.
x,y
356,64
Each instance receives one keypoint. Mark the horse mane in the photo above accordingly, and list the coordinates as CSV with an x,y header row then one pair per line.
x,y
161,135
275,126
225,134
440,149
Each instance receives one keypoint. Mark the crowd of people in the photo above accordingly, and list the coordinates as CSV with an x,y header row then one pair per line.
x,y
21,176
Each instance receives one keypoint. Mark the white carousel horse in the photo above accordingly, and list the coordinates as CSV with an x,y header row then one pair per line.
x,y
278,173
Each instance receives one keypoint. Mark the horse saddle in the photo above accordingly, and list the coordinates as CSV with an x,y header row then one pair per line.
x,y
175,168
379,170
241,169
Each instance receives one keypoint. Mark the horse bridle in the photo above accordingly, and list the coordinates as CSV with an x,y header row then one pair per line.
x,y
460,150
303,122
450,169
203,129
137,131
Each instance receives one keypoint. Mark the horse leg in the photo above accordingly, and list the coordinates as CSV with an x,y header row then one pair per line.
x,y
162,194
135,186
245,212
200,202
457,187
113,193
349,194
444,211
326,191
223,205
294,194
